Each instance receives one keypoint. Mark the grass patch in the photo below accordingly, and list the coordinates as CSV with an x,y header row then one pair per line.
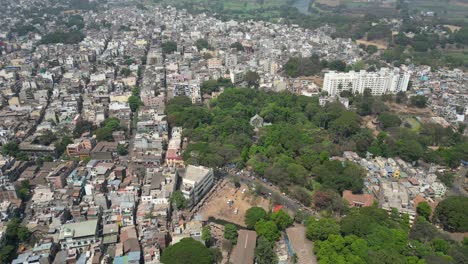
x,y
414,124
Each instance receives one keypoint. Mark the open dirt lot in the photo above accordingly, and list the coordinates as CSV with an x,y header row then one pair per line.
x,y
303,247
402,110
380,44
217,205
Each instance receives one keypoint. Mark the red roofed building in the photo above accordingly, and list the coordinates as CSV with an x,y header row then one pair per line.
x,y
173,157
358,200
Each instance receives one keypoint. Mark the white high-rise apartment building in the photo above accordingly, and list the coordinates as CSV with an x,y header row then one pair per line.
x,y
382,82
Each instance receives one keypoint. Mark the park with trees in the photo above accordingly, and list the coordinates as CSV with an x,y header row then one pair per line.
x,y
295,149
372,235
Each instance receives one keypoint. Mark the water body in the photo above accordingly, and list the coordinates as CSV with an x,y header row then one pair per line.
x,y
302,6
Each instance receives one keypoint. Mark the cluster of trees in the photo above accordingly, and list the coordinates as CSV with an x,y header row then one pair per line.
x,y
238,46
15,233
169,47
108,126
83,126
426,48
408,143
12,149
266,224
75,21
230,233
189,251
23,190
71,37
134,101
451,214
210,86
371,235
268,227
298,66
202,44
294,150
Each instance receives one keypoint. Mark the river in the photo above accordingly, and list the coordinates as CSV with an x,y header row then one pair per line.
x,y
302,6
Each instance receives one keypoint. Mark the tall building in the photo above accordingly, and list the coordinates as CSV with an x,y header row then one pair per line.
x,y
381,82
196,182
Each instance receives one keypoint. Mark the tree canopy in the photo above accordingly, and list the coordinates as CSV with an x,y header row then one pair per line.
x,y
264,253
452,215
267,229
179,200
230,233
253,215
187,251
320,229
169,47
281,219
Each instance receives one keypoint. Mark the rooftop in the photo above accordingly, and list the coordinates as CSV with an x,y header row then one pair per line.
x,y
195,173
80,229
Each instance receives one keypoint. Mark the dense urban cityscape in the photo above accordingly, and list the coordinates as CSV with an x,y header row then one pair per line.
x,y
140,132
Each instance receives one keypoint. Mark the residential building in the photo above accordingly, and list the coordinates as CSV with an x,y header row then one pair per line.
x,y
381,82
196,182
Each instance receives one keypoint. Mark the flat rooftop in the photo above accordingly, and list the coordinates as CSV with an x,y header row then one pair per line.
x,y
195,173
80,229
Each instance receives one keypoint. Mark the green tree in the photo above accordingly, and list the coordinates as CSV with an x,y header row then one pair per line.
x,y
320,229
337,65
447,178
389,120
419,101
217,254
424,210
169,47
83,126
253,215
61,146
206,234
134,102
238,46
7,253
23,234
112,123
230,233
267,229
122,150
451,214
264,253
23,190
302,195
371,49
125,72
187,251
10,149
409,150
440,245
179,200
202,44
104,134
281,219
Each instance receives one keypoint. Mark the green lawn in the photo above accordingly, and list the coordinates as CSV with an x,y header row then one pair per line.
x,y
415,124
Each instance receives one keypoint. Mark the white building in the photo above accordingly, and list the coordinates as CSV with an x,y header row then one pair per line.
x,y
382,82
196,182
